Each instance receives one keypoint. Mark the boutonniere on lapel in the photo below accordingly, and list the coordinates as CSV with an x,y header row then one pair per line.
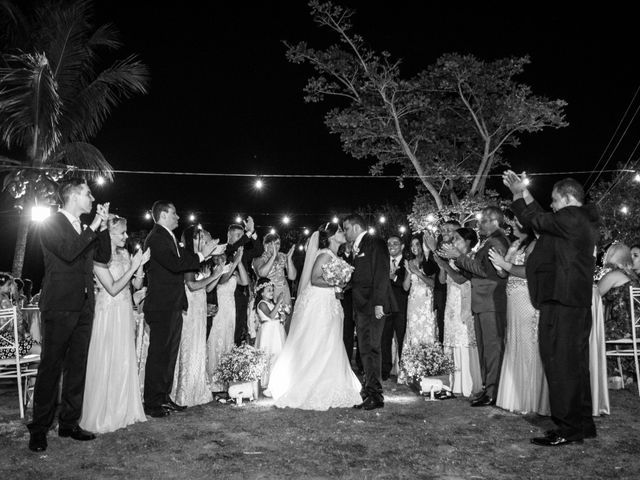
x,y
360,255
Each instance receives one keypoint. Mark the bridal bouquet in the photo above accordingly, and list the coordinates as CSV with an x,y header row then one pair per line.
x,y
337,272
425,360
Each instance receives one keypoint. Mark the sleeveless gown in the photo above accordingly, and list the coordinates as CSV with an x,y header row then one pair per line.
x,y
190,382
112,398
222,330
270,340
313,372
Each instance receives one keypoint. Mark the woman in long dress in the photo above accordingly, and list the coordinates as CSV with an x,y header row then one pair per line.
x,y
190,381
421,318
459,330
523,384
224,323
112,397
313,371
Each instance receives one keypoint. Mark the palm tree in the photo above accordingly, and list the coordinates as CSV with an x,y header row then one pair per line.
x,y
54,97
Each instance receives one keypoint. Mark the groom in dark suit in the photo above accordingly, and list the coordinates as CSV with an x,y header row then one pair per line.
x,y
163,305
67,304
560,278
372,301
488,300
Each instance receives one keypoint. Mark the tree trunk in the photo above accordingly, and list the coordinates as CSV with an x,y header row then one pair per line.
x,y
21,242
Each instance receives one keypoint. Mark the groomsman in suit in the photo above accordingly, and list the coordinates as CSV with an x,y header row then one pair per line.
x,y
396,323
349,326
560,278
164,304
488,300
67,304
372,301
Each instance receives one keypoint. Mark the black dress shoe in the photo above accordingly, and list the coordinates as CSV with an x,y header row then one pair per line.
x,y
38,442
590,432
76,433
385,377
157,412
371,404
554,440
173,406
484,401
360,406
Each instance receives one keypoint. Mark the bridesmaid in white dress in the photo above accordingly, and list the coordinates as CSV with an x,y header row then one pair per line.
x,y
112,397
459,330
224,323
421,319
190,381
271,335
523,385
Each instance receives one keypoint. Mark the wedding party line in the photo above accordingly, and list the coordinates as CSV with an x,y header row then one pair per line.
x,y
507,308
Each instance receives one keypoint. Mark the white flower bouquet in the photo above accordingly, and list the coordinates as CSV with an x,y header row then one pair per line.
x,y
242,364
337,272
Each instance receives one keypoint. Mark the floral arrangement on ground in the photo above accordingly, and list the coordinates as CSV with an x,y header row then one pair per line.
x,y
425,360
242,364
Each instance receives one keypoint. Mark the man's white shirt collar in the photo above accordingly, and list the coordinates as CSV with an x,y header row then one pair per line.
x,y
356,244
72,219
170,233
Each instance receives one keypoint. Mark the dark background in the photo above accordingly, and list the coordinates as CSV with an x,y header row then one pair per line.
x,y
223,98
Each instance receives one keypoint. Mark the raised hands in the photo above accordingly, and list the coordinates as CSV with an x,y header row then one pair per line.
x,y
290,252
249,226
514,182
237,257
449,251
429,242
101,217
140,258
209,247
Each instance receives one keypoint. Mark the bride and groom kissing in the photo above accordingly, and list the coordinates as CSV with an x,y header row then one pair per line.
x,y
313,371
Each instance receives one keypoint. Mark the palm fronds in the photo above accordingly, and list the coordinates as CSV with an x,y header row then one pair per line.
x,y
83,157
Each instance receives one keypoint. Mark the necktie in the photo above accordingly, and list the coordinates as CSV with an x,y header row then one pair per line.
x,y
76,226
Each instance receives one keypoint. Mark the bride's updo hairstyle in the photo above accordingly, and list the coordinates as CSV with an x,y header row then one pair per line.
x,y
325,232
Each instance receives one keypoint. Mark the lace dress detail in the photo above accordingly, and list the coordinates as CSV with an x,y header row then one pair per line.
x,y
270,340
190,381
313,372
421,319
523,385
112,398
222,330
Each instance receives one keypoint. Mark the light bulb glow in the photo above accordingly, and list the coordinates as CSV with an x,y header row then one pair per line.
x,y
100,180
637,177
259,184
306,231
286,220
137,246
192,218
372,231
382,219
238,219
147,216
38,214
335,220
624,209
402,229
272,231
526,181
301,248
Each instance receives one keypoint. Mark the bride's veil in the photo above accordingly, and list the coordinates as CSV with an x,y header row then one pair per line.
x,y
309,260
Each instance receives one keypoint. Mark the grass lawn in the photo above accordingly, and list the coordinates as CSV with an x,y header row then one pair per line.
x,y
409,438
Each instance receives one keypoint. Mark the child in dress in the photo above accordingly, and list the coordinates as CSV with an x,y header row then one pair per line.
x,y
271,335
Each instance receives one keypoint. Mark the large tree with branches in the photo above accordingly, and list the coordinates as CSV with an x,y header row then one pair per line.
x,y
54,97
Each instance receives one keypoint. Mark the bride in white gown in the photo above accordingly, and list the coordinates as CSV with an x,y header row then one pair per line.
x,y
313,371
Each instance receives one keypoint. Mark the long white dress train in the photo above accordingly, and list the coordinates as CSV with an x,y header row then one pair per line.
x,y
313,371
112,397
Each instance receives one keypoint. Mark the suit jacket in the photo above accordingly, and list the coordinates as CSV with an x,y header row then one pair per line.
x,y
560,268
399,293
68,263
488,289
370,281
165,272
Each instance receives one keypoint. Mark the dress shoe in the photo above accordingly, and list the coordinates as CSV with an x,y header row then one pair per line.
x,y
369,403
157,412
385,377
173,406
554,440
589,432
76,433
38,442
484,401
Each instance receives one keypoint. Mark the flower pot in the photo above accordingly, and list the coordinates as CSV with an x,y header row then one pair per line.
x,y
242,390
434,384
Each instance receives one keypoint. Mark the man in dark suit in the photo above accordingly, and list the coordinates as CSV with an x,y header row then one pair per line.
x,y
560,278
488,301
163,306
67,304
396,323
372,300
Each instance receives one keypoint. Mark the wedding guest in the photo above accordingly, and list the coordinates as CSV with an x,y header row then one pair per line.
x,y
112,391
277,267
8,299
614,290
440,286
488,300
66,306
271,335
349,326
523,385
560,277
395,323
635,257
242,236
221,338
459,330
190,382
421,319
27,291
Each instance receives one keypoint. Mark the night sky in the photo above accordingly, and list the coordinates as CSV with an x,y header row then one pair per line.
x,y
223,98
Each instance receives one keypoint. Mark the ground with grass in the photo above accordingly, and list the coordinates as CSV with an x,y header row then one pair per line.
x,y
409,438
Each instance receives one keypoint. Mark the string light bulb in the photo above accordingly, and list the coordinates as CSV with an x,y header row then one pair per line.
x,y
402,229
624,209
137,247
382,219
272,231
259,184
238,219
372,230
335,220
40,213
286,220
637,177
100,180
306,231
526,181
301,248
192,218
147,216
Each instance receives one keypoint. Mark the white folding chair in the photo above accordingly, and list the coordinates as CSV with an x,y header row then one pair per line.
x,y
628,347
19,367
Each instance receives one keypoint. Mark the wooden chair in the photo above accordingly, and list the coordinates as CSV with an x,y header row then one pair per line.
x,y
628,347
21,368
